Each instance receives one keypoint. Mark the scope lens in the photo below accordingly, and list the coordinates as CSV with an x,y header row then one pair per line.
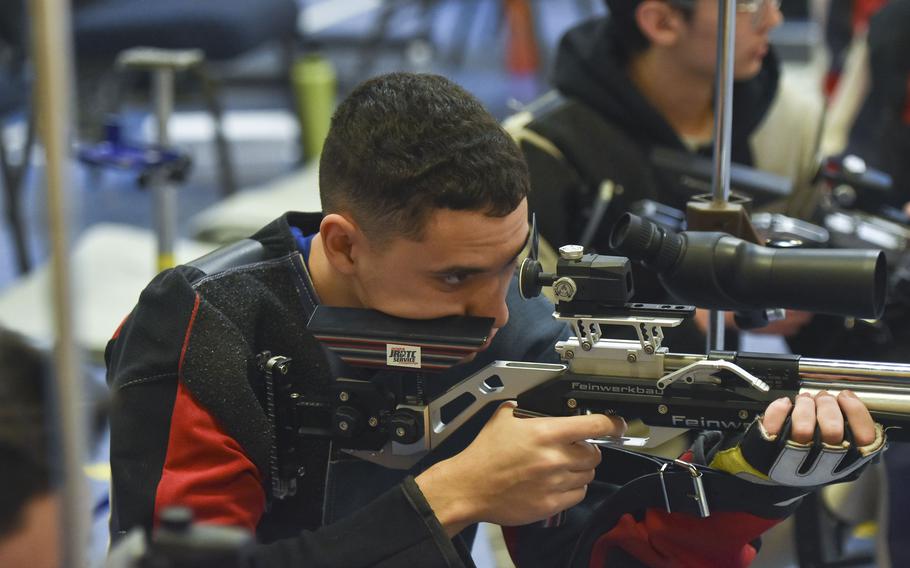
x,y
635,237
645,241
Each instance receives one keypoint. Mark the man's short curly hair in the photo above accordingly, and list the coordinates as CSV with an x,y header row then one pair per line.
x,y
625,28
403,145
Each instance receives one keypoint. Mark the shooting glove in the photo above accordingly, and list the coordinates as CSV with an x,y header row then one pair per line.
x,y
764,458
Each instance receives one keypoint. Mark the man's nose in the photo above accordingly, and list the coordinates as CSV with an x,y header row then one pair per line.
x,y
491,306
769,15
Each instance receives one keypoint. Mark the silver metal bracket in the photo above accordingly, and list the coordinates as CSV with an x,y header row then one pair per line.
x,y
704,371
499,381
612,441
613,358
699,489
649,330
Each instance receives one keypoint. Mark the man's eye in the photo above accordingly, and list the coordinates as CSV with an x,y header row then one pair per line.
x,y
454,279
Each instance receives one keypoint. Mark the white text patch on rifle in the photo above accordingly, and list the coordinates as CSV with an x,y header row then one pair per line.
x,y
403,356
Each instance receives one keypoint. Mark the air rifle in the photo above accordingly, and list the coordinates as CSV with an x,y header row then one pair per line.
x,y
636,376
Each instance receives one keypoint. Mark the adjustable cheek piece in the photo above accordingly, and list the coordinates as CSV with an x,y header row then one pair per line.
x,y
767,458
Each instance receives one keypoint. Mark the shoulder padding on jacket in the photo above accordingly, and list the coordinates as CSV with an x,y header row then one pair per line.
x,y
245,251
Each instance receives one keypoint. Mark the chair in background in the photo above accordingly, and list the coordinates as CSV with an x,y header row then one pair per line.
x,y
222,29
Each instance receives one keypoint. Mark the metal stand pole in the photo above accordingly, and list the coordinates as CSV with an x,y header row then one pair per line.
x,y
165,192
53,48
723,122
163,65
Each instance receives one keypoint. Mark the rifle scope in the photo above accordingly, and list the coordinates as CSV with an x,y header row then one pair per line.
x,y
717,271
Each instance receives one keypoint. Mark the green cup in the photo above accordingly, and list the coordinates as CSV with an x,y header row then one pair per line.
x,y
314,87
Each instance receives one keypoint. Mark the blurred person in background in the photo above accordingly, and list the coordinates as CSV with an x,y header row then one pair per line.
x,y
29,502
889,95
642,78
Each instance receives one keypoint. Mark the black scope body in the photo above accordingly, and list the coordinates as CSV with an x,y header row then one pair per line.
x,y
717,271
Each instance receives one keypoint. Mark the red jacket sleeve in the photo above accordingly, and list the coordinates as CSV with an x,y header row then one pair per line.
x,y
206,470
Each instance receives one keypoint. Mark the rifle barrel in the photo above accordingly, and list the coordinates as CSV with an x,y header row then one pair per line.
x,y
855,370
883,387
827,370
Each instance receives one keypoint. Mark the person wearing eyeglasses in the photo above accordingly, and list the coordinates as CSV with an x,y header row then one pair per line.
x,y
638,79
643,78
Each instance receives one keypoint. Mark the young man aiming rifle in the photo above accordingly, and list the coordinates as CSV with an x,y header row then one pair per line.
x,y
424,216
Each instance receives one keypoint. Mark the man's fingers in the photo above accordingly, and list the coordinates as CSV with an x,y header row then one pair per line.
x,y
573,480
830,419
776,414
802,420
577,428
861,423
583,456
569,499
507,406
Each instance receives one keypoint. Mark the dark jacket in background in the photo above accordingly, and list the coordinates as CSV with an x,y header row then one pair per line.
x,y
596,128
604,129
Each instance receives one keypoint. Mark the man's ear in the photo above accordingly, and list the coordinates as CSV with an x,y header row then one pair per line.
x,y
341,240
659,22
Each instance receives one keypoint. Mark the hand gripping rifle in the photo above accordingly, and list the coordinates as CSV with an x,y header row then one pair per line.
x,y
636,377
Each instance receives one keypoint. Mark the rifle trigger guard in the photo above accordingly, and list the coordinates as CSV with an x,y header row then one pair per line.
x,y
698,487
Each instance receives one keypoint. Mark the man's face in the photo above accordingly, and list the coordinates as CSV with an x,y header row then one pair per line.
x,y
462,265
698,45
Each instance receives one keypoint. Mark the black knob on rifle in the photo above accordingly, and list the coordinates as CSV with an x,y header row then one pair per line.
x,y
176,519
529,285
405,426
530,274
347,421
